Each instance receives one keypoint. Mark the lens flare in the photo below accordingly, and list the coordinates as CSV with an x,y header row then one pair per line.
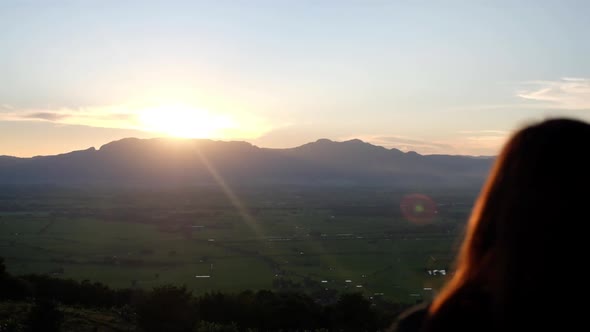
x,y
418,208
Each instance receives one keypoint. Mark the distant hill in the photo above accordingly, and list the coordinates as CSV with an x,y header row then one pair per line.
x,y
174,162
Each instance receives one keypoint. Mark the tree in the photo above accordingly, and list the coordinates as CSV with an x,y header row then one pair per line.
x,y
353,312
167,308
45,316
216,327
2,268
11,325
12,288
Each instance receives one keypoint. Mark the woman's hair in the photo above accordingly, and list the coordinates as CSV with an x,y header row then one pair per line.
x,y
525,228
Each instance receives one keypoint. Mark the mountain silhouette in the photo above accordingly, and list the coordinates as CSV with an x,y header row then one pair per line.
x,y
186,162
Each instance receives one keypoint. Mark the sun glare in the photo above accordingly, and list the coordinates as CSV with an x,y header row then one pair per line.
x,y
183,121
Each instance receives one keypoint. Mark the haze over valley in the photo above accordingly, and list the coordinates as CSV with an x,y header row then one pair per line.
x,y
190,162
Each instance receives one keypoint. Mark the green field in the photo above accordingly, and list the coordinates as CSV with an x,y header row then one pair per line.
x,y
256,238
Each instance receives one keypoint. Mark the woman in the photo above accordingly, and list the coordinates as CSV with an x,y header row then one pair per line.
x,y
521,263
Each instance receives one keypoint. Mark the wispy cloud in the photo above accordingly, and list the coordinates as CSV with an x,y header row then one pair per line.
x,y
467,142
484,132
568,93
5,107
408,144
49,116
485,142
160,119
105,117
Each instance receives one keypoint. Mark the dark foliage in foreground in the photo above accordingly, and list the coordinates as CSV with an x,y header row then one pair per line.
x,y
45,317
173,308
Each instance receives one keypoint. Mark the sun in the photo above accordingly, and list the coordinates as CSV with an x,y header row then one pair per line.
x,y
184,122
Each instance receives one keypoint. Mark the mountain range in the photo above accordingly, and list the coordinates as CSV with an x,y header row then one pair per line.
x,y
187,162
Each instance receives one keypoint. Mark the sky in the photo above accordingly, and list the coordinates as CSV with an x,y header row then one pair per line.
x,y
452,77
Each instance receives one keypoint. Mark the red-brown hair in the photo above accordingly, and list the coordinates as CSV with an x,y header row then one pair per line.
x,y
524,225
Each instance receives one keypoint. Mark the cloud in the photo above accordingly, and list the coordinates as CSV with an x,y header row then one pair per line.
x,y
102,117
467,142
485,132
405,143
485,142
168,119
49,116
5,107
568,93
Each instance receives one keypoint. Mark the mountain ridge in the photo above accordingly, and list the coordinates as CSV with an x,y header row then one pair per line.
x,y
168,161
320,141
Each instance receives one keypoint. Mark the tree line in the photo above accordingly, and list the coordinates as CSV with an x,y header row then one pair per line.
x,y
174,308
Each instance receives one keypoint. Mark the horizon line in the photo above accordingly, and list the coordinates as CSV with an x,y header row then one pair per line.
x,y
252,144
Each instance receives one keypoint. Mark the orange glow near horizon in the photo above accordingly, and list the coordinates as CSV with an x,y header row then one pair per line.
x,y
184,122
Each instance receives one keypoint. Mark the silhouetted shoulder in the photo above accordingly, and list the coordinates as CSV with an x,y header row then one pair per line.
x,y
469,310
412,319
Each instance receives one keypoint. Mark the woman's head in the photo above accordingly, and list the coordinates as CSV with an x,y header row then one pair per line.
x,y
528,216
